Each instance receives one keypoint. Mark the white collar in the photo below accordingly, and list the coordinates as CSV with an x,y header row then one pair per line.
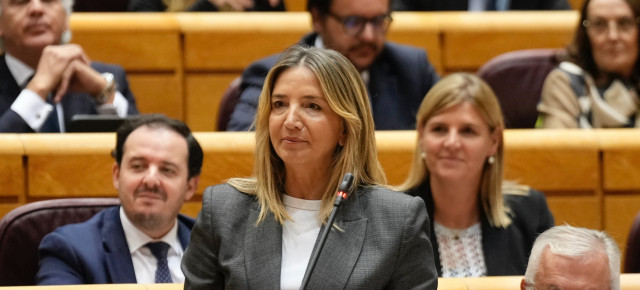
x,y
20,71
136,239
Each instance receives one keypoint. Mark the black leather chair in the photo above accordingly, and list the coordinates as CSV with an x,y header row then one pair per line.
x,y
228,103
22,229
517,78
632,255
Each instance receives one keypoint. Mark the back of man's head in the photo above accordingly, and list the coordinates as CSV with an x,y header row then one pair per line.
x,y
577,245
158,120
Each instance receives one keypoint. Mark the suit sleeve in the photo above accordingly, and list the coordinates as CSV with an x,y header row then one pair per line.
x,y
200,261
245,111
556,5
11,122
58,263
123,88
415,268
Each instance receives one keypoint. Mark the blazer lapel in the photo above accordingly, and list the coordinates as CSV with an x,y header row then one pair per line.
x,y
494,245
341,250
116,249
263,247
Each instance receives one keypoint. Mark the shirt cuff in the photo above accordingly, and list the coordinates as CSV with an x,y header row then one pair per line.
x,y
120,106
32,108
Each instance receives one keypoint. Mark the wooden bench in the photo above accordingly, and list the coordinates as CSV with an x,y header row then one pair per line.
x,y
147,45
181,63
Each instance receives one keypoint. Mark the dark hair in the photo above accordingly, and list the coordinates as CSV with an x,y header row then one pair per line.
x,y
580,51
155,121
324,6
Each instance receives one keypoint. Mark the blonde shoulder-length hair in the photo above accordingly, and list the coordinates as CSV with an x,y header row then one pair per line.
x,y
347,96
452,90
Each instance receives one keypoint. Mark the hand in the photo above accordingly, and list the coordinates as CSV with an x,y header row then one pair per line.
x,y
52,64
80,77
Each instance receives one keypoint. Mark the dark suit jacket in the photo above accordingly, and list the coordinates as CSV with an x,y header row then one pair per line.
x,y
463,5
383,244
72,103
399,79
506,250
93,252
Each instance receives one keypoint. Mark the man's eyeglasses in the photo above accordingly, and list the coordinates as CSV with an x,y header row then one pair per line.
x,y
600,26
353,25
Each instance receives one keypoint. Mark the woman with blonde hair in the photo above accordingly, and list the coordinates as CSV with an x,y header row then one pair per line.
x,y
481,227
313,125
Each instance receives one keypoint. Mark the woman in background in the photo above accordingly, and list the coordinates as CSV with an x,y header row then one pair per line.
x,y
598,86
481,226
313,125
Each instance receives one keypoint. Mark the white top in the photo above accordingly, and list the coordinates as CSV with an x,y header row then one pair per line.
x,y
298,238
460,251
34,110
144,263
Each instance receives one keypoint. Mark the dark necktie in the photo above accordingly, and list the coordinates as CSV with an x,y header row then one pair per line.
x,y
51,124
159,250
491,5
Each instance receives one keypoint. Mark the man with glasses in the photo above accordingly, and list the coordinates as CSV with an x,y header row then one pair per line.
x,y
397,76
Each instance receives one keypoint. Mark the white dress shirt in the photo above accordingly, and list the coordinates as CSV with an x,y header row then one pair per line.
x,y
35,111
144,263
298,238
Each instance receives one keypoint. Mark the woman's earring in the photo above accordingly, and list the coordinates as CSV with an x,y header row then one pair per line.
x,y
491,159
423,155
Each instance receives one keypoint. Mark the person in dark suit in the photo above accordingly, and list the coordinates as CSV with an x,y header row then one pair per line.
x,y
397,76
157,169
43,82
314,125
482,226
479,5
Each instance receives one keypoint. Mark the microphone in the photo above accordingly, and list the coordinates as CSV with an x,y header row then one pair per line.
x,y
343,189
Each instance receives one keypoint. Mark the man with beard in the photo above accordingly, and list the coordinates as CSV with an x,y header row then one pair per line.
x,y
157,168
44,82
397,76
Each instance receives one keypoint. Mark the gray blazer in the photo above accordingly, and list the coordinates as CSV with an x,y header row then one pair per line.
x,y
383,244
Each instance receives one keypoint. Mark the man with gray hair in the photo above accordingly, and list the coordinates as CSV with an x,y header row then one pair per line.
x,y
44,82
566,257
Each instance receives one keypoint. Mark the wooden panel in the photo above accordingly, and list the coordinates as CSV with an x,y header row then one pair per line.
x,y
12,172
553,160
230,43
226,155
621,159
583,210
471,39
576,4
421,30
136,41
69,165
619,211
202,99
158,93
395,152
295,5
